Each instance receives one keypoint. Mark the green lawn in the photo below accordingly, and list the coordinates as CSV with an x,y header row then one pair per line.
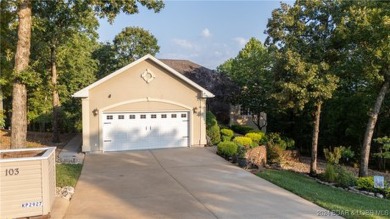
x,y
68,174
346,204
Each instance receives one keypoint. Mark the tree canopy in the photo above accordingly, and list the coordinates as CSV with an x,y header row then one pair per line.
x,y
301,36
251,71
56,24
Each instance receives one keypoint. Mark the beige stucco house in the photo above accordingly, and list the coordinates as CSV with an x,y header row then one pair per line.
x,y
143,105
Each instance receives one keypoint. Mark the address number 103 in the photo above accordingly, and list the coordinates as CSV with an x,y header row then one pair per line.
x,y
12,172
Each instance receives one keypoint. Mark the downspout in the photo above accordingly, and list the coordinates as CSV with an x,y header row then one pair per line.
x,y
200,119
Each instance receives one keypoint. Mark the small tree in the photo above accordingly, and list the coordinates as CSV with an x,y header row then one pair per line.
x,y
384,149
251,71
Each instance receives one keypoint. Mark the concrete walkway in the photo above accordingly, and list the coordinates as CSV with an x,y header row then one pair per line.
x,y
69,154
178,183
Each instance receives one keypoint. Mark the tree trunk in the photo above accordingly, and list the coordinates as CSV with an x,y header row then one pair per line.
x,y
56,98
314,144
19,91
256,119
2,116
365,152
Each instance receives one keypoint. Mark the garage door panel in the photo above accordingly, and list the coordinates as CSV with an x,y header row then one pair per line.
x,y
129,131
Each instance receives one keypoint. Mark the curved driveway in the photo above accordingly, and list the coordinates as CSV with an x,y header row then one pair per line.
x,y
178,183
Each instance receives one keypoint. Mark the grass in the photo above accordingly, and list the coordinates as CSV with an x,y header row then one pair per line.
x,y
68,174
344,203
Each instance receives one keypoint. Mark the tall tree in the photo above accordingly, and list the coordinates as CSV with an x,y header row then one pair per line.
x,y
19,92
105,55
102,8
302,37
251,71
129,45
132,43
8,33
58,21
365,27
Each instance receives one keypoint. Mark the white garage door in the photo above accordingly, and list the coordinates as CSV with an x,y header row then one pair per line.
x,y
130,131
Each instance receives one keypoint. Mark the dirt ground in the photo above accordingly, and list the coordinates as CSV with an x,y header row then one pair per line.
x,y
35,139
303,166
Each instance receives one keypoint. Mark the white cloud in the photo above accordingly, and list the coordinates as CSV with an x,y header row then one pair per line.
x,y
206,33
183,43
241,41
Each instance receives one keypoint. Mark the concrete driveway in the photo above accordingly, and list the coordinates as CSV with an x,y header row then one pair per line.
x,y
178,183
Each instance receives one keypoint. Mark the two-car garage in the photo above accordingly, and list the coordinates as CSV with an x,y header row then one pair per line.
x,y
130,131
144,105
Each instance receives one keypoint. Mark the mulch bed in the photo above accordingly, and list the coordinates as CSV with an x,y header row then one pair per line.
x,y
303,166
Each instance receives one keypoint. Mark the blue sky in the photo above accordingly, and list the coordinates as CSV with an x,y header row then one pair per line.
x,y
205,32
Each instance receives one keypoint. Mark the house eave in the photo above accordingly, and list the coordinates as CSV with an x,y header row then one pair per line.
x,y
84,93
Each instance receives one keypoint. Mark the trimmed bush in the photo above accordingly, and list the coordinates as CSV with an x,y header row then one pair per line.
x,y
227,148
241,129
256,137
227,134
212,128
365,183
244,141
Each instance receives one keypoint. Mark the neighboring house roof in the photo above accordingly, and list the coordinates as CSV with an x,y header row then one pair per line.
x,y
85,91
213,81
183,66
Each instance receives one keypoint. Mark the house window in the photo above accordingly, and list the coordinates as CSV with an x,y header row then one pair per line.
x,y
132,116
153,116
163,116
245,111
121,117
143,117
183,115
173,115
110,117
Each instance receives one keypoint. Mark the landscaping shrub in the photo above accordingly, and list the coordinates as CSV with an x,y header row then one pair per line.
x,y
344,177
240,129
387,193
346,154
241,151
256,137
274,154
227,134
212,128
365,183
332,157
330,173
227,148
339,175
274,138
290,143
244,141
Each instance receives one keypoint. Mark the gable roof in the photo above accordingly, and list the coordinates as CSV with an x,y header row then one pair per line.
x,y
85,91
